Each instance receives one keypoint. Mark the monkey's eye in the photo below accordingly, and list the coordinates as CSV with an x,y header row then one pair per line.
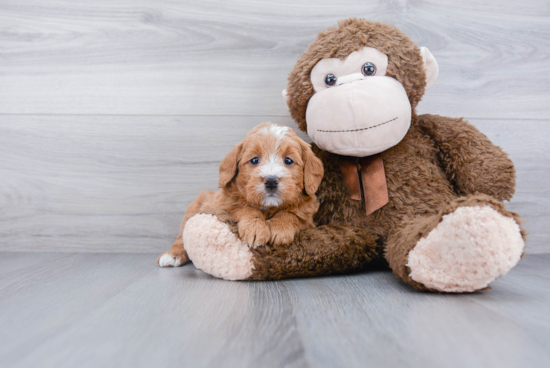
x,y
288,161
255,161
368,69
330,80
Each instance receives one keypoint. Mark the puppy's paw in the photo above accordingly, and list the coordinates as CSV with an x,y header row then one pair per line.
x,y
283,238
254,232
168,260
281,233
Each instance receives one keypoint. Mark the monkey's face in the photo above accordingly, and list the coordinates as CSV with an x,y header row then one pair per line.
x,y
355,88
356,109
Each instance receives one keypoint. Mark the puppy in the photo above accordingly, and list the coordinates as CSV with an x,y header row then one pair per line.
x,y
268,184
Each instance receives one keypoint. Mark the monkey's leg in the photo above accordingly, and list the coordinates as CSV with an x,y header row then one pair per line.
x,y
324,250
177,256
471,242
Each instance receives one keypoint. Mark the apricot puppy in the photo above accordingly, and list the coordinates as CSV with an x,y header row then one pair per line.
x,y
268,184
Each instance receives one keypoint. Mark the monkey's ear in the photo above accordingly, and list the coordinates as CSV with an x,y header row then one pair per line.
x,y
285,96
229,165
313,170
430,66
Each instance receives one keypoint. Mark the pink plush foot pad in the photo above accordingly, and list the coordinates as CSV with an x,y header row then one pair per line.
x,y
467,250
214,249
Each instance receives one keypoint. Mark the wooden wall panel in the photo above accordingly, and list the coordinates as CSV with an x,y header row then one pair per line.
x,y
122,183
233,57
115,113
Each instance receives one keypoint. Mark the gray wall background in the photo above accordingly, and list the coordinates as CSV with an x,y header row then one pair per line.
x,y
115,114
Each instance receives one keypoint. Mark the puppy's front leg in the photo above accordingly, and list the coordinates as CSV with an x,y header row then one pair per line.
x,y
253,229
284,227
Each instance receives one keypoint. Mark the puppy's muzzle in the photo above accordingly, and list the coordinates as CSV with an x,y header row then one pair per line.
x,y
271,183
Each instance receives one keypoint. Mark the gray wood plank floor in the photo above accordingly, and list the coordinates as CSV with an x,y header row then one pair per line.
x,y
120,310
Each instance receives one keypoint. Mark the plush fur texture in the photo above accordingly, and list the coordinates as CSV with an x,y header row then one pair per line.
x,y
229,259
441,165
419,188
263,213
467,250
405,62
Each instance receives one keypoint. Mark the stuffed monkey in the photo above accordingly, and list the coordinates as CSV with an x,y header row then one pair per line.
x,y
420,193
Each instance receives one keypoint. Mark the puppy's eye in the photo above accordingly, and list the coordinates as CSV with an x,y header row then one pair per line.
x,y
288,161
255,161
330,80
368,69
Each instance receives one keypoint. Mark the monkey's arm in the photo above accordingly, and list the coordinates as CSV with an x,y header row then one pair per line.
x,y
324,250
471,161
327,249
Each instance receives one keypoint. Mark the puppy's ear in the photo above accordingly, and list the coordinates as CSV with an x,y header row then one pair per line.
x,y
313,170
229,165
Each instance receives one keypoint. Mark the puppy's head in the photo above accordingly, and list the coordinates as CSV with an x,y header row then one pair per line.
x,y
272,167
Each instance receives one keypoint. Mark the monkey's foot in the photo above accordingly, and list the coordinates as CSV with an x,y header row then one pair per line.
x,y
467,250
216,250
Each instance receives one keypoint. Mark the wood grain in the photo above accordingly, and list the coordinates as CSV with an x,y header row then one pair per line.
x,y
120,310
122,183
115,114
106,183
373,320
233,57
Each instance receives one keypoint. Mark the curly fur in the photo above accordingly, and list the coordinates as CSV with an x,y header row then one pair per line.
x,y
441,164
404,60
243,192
420,184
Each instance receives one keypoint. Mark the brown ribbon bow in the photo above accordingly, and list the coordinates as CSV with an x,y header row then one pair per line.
x,y
373,178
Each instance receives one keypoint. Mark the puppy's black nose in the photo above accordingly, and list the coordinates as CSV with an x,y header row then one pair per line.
x,y
271,182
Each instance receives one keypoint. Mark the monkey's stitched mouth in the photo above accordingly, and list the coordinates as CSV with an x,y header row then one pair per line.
x,y
356,130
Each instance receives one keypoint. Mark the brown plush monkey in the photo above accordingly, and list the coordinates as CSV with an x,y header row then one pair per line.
x,y
421,192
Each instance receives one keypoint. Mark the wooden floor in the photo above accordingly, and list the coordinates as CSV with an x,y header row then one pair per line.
x,y
121,310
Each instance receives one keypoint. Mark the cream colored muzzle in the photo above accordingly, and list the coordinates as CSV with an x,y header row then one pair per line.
x,y
360,116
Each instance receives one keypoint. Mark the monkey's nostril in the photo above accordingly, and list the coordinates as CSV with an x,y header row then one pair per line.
x,y
271,182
